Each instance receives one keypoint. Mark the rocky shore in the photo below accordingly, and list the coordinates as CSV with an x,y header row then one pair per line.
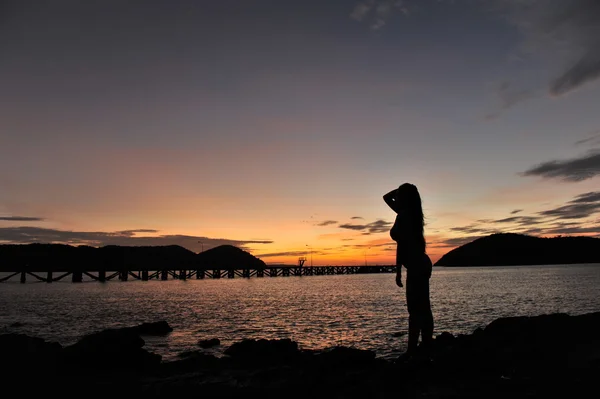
x,y
518,357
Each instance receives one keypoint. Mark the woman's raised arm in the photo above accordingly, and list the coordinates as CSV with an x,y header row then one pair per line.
x,y
390,199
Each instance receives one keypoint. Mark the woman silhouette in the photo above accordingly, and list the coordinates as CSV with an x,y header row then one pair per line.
x,y
410,252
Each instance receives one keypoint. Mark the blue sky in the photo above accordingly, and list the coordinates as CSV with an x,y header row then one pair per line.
x,y
160,122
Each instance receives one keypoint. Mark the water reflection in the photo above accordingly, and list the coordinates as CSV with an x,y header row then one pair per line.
x,y
364,311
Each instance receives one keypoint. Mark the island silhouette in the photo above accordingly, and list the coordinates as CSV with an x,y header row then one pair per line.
x,y
511,249
56,257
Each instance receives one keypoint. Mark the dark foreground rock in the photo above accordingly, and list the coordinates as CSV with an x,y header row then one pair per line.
x,y
111,350
518,357
156,328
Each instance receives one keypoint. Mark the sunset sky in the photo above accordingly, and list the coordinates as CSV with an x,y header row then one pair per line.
x,y
277,126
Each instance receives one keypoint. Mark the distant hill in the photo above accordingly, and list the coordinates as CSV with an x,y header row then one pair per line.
x,y
57,257
509,249
228,256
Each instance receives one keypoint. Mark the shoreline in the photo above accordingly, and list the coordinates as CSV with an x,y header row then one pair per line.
x,y
523,356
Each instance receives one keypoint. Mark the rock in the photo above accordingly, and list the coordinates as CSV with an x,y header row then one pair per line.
x,y
209,343
21,350
264,350
341,355
154,328
191,360
444,338
111,349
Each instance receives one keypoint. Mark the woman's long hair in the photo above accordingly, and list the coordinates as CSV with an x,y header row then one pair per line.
x,y
409,199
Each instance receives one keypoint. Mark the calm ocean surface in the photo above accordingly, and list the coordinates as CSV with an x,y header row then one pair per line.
x,y
364,311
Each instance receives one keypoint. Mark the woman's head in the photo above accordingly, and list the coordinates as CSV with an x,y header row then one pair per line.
x,y
409,200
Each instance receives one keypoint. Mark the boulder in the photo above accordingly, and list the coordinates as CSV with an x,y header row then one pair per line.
x,y
341,355
21,351
154,328
111,349
264,350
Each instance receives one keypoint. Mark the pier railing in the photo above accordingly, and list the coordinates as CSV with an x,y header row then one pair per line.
x,y
77,276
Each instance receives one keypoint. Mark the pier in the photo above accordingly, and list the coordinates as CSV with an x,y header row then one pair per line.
x,y
77,275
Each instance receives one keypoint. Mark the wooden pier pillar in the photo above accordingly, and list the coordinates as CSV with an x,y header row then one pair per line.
x,y
144,275
77,277
164,275
49,277
246,273
200,274
23,277
123,275
230,273
102,276
216,273
183,274
260,273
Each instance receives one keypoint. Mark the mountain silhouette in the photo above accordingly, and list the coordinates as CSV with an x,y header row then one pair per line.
x,y
61,257
510,249
227,257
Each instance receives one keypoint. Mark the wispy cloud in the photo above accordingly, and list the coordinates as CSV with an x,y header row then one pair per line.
x,y
569,30
378,12
458,241
593,139
285,253
357,218
571,170
27,235
378,226
326,223
509,96
516,211
21,219
361,10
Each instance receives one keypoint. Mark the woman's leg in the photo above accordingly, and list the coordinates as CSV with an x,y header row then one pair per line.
x,y
427,324
414,316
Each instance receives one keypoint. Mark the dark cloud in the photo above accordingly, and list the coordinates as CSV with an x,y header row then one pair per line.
x,y
356,227
21,219
471,229
581,207
592,196
571,170
378,226
516,211
585,70
522,220
357,217
327,223
27,235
